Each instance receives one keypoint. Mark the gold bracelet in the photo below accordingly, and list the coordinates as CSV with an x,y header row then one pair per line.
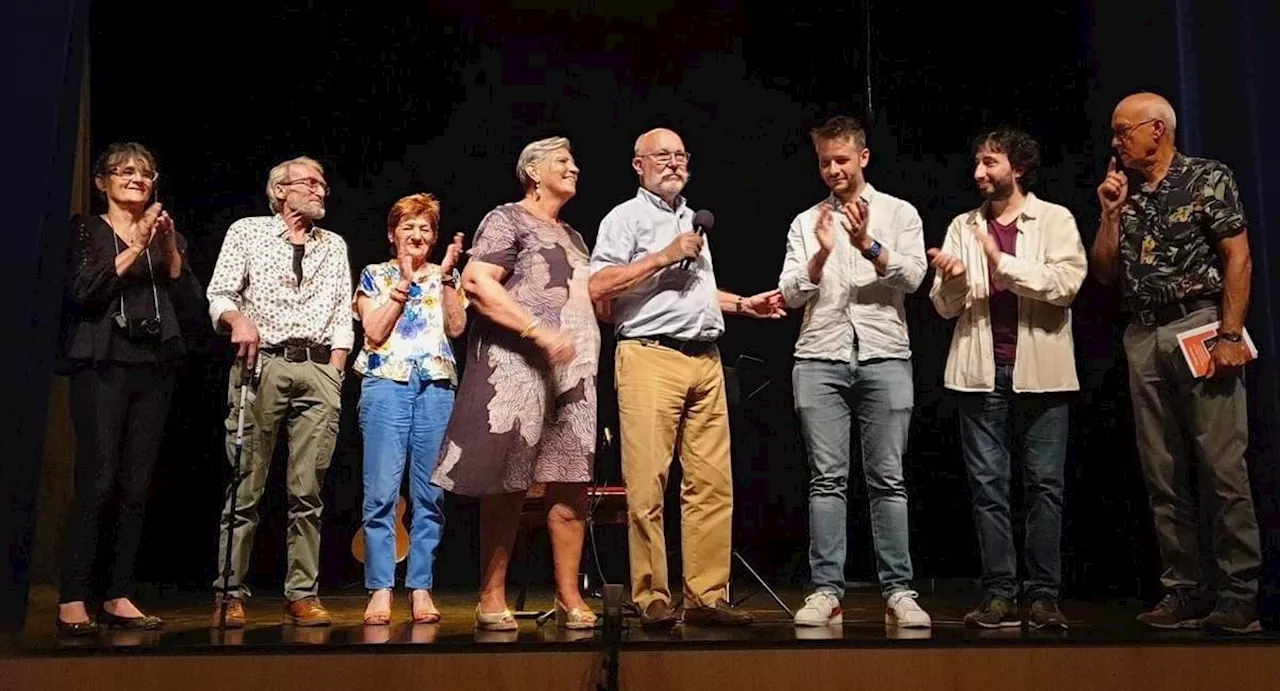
x,y
533,326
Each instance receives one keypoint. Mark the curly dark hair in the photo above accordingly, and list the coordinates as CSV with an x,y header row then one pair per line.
x,y
1021,148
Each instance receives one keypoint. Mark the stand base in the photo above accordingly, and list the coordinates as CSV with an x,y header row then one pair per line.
x,y
782,605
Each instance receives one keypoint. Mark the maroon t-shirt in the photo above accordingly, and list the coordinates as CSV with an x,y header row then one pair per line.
x,y
1004,304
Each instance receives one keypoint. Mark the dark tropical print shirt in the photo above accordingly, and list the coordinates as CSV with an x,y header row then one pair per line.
x,y
1169,234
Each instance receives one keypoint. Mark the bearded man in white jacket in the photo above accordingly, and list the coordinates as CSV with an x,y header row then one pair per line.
x,y
1009,271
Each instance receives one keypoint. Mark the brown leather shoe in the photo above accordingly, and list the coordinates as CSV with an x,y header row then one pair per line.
x,y
657,615
235,613
307,612
719,614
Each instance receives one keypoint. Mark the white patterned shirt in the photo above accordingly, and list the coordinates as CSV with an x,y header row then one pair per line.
x,y
255,276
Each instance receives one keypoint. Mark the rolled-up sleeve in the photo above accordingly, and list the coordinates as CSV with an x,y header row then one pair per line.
x,y
344,335
906,267
794,281
229,275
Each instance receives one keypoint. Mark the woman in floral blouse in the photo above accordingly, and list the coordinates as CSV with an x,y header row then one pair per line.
x,y
410,308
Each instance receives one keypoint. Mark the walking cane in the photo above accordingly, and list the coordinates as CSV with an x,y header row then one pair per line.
x,y
247,375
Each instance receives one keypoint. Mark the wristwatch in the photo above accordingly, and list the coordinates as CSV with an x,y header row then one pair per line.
x,y
1229,336
873,251
448,280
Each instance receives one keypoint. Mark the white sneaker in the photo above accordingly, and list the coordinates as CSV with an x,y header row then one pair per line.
x,y
822,608
901,610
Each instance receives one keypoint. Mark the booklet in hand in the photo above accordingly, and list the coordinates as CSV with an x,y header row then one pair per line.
x,y
1197,347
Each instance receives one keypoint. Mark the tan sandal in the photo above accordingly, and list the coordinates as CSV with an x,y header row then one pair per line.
x,y
378,618
429,615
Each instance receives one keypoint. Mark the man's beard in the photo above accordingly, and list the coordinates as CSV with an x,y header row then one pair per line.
x,y
312,211
1001,190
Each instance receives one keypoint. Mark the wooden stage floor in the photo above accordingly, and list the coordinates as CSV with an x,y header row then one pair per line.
x,y
1103,648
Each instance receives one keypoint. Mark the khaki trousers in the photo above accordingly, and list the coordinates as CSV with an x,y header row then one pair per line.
x,y
665,395
307,398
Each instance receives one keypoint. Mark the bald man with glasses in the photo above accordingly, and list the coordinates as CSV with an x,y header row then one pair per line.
x,y
670,383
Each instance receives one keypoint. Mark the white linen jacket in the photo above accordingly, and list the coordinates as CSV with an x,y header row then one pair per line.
x,y
1045,272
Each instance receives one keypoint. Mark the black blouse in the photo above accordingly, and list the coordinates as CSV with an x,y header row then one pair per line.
x,y
94,293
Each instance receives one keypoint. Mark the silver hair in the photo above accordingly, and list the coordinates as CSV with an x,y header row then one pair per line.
x,y
276,176
533,154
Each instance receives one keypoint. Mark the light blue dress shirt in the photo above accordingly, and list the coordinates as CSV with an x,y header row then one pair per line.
x,y
674,302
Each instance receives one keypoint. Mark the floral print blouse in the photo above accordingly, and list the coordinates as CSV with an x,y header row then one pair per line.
x,y
418,339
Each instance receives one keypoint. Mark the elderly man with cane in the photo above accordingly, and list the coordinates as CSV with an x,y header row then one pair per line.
x,y
282,287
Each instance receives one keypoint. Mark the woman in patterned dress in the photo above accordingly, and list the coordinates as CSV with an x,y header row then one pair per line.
x,y
410,308
526,412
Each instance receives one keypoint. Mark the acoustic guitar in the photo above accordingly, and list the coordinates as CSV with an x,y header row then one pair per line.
x,y
402,535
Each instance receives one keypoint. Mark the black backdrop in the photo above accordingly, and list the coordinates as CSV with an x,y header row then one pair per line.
x,y
443,98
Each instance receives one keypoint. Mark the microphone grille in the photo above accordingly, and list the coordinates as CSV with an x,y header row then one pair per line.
x,y
704,218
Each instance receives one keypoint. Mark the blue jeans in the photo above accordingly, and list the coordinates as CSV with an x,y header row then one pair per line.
x,y
829,396
1038,421
402,422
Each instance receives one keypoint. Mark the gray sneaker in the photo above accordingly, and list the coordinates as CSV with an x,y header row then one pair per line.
x,y
1178,609
1233,616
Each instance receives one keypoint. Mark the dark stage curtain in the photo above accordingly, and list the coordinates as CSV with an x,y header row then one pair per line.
x,y
1211,60
43,45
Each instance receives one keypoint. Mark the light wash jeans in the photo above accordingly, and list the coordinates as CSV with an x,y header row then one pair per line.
x,y
402,423
830,397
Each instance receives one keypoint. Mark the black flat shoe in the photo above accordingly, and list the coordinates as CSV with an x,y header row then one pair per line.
x,y
145,622
77,629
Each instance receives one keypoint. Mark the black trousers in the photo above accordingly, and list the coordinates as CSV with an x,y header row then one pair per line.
x,y
119,414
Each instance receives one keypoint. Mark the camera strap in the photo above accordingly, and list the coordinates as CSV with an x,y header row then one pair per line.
x,y
155,295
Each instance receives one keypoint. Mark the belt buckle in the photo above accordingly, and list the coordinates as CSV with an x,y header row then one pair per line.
x,y
296,354
1147,317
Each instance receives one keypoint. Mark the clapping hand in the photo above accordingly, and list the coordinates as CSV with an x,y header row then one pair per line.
x,y
857,213
825,230
947,265
145,230
451,255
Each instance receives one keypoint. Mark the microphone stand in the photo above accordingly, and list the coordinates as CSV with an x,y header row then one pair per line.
x,y
731,374
247,376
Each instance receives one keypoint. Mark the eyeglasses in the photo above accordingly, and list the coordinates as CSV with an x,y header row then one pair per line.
x,y
131,172
662,158
1124,131
311,183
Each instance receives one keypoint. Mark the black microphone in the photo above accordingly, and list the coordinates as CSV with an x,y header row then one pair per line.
x,y
702,222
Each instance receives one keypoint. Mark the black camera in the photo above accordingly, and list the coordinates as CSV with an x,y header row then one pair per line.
x,y
139,328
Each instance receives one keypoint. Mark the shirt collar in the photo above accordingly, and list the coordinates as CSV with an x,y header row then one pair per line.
x,y
868,195
651,198
282,228
1030,210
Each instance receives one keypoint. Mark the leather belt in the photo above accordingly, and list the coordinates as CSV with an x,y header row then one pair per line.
x,y
301,353
677,344
1159,316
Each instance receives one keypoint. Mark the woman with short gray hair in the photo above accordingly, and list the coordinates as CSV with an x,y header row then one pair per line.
x,y
524,424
